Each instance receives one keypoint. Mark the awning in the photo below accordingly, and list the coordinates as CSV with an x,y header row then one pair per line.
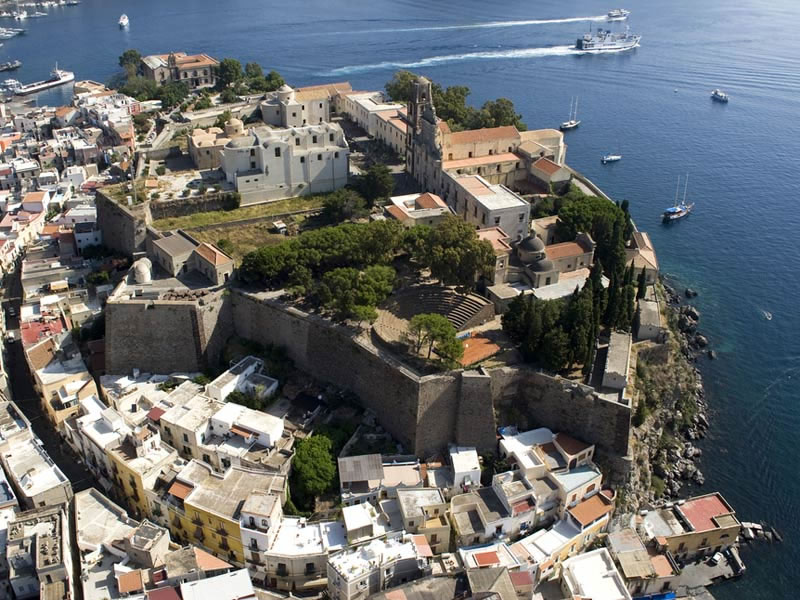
x,y
245,433
58,286
180,490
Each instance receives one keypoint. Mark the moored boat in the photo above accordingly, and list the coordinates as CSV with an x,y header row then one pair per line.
x,y
679,209
123,21
57,77
10,66
611,158
573,121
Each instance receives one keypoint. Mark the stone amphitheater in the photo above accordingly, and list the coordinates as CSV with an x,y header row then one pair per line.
x,y
464,311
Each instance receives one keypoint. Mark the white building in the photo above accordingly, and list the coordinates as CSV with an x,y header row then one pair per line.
x,y
374,567
269,164
236,378
252,425
593,575
466,467
363,108
311,105
235,585
485,204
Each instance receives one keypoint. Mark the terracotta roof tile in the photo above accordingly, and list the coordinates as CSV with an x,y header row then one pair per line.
x,y
570,445
180,490
397,212
547,165
130,582
209,562
564,250
212,254
590,510
428,200
489,134
484,559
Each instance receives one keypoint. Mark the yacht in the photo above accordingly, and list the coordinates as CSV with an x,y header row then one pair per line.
x,y
618,14
21,15
606,41
573,121
38,14
611,158
123,21
719,95
679,209
57,77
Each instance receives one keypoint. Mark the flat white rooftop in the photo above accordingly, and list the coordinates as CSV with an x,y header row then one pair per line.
x,y
296,537
593,575
370,557
235,585
542,544
33,469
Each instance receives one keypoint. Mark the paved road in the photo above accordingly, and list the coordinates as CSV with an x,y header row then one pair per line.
x,y
26,397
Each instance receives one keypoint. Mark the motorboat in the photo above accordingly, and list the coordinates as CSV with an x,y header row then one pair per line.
x,y
618,14
719,95
123,21
10,66
611,158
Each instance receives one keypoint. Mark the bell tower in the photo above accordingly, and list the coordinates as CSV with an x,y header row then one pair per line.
x,y
420,108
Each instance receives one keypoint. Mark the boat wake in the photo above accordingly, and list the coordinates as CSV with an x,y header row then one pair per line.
x,y
450,58
489,25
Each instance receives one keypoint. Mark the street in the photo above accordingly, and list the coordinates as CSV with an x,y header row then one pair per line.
x,y
27,399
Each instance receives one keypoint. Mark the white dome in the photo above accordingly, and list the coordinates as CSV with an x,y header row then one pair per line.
x,y
142,270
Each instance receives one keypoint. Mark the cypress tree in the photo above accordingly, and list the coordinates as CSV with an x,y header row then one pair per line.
x,y
641,292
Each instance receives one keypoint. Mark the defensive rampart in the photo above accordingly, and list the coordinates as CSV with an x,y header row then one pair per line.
x,y
423,413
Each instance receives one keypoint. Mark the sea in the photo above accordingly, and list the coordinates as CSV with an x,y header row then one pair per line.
x,y
740,249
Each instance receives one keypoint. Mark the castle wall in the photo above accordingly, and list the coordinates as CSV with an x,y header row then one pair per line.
x,y
124,228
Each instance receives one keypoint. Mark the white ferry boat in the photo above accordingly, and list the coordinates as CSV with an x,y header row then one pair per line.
x,y
606,41
123,21
618,14
57,77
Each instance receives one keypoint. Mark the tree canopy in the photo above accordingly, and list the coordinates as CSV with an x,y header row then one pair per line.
x,y
429,330
313,469
376,184
129,60
343,205
229,72
451,104
454,253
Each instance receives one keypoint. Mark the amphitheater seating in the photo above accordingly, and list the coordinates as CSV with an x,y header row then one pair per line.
x,y
462,310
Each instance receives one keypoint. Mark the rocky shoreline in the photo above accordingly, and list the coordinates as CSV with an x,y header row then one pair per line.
x,y
680,465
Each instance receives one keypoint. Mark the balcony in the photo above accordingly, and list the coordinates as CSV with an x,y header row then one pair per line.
x,y
221,530
197,521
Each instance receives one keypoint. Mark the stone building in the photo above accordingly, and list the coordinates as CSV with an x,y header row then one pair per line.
x,y
288,107
178,253
269,164
486,204
205,145
195,70
501,155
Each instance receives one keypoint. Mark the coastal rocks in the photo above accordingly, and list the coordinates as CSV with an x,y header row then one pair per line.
x,y
711,355
690,293
700,341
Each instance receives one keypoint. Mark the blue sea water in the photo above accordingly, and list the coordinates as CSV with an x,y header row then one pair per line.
x,y
740,248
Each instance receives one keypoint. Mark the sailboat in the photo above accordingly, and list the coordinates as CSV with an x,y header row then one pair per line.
x,y
572,122
679,210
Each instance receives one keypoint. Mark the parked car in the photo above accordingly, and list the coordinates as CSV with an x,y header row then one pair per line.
x,y
716,559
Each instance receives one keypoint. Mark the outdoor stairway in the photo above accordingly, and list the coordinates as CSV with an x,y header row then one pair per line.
x,y
460,309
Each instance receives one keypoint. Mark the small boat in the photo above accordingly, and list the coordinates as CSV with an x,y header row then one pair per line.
x,y
618,14
719,95
72,3
10,66
679,209
21,15
123,21
767,315
611,158
573,121
38,14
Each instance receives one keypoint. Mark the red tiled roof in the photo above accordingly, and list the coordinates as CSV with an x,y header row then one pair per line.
x,y
491,159
245,433
34,197
547,165
522,506
167,593
521,578
130,582
154,414
488,134
701,511
180,490
397,212
212,254
421,542
209,562
34,331
588,511
428,200
564,250
485,559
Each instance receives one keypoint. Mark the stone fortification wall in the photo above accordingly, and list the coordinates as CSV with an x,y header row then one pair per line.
x,y
165,336
423,413
332,354
124,227
180,207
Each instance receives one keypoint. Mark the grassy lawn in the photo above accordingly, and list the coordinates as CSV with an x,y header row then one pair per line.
x,y
245,238
247,212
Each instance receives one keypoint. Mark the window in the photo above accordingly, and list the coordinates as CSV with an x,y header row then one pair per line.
x,y
264,522
498,168
185,438
491,152
296,141
277,152
187,450
335,155
483,219
319,156
470,154
497,220
294,114
252,151
434,538
330,137
320,104
206,459
302,107
411,523
252,166
313,139
547,281
302,159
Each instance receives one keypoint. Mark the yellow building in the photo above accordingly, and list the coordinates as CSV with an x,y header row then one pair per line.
x,y
203,506
135,464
